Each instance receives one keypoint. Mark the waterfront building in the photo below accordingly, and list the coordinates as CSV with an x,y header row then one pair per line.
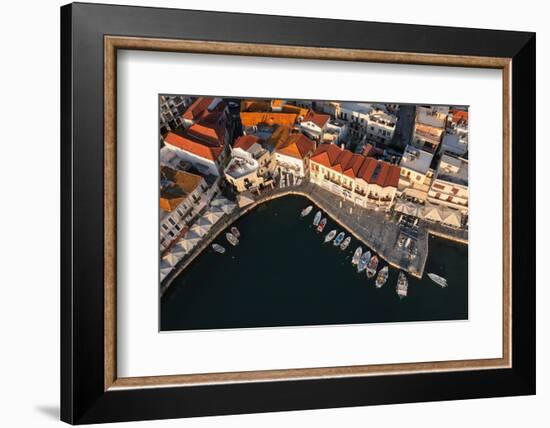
x,y
416,174
250,165
455,140
357,117
292,156
201,108
336,132
429,127
450,184
171,109
381,127
314,125
364,180
183,194
190,149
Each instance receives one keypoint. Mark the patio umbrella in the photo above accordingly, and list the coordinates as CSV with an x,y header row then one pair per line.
x,y
201,228
189,241
170,260
431,213
213,214
452,218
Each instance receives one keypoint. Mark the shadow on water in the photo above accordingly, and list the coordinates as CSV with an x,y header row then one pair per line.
x,y
281,274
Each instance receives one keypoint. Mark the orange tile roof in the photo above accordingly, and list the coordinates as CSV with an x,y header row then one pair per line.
x,y
297,146
267,118
317,118
210,128
195,110
245,142
184,183
459,115
357,166
193,146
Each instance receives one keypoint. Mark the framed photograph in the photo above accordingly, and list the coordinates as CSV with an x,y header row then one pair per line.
x,y
266,213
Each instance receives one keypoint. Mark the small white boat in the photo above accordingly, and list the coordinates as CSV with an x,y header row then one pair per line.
x,y
372,266
402,285
339,239
317,218
356,256
322,225
346,243
306,211
235,232
439,280
382,277
362,264
218,248
330,236
232,239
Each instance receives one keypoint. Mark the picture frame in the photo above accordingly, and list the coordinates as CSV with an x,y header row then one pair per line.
x,y
91,391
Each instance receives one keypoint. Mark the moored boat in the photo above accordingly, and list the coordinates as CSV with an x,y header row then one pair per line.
x,y
218,248
330,236
339,239
402,285
345,244
322,225
232,239
363,260
439,280
306,211
317,218
356,256
382,277
235,232
372,266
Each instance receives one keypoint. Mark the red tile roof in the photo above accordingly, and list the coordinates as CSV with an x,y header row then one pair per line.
x,y
459,115
210,128
357,166
297,146
245,142
317,118
191,145
199,109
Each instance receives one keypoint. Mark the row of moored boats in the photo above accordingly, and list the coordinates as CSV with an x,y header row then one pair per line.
x,y
364,261
232,237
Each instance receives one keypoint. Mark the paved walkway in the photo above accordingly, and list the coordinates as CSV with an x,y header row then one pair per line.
x,y
374,228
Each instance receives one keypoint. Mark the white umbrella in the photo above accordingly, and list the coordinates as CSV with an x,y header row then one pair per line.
x,y
431,213
189,241
213,215
452,218
201,228
229,207
164,270
203,221
170,260
178,251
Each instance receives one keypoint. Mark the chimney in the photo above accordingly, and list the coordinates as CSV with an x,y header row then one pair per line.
x,y
342,146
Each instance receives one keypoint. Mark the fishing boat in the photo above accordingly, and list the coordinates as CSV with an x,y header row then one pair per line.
x,y
339,239
402,285
356,256
232,239
382,277
317,218
345,244
235,232
363,260
218,248
330,236
306,211
371,267
439,280
322,225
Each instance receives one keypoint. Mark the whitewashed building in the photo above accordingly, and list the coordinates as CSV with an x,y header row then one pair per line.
x,y
450,184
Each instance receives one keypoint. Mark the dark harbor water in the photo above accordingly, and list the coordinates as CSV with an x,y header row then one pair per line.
x,y
281,274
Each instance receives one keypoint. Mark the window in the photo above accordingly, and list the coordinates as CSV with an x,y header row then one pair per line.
x,y
164,226
172,222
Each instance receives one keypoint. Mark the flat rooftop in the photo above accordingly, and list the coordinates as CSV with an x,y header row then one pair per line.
x,y
416,160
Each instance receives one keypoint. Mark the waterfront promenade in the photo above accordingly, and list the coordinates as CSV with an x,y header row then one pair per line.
x,y
372,228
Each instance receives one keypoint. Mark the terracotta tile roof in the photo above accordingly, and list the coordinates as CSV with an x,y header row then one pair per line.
x,y
245,142
267,118
357,166
317,118
428,131
195,110
183,183
191,145
326,154
459,116
297,146
210,128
